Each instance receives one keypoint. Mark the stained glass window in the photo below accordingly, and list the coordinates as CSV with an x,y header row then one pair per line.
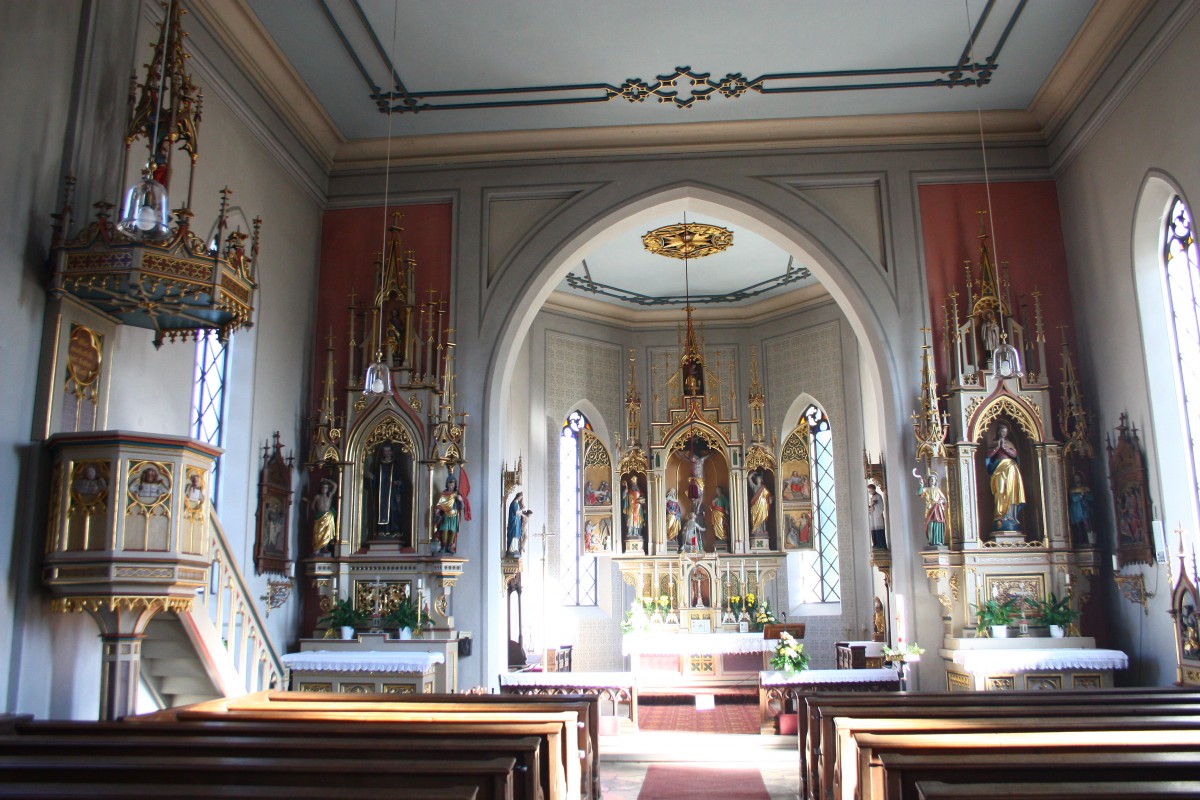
x,y
577,572
1183,294
826,584
208,399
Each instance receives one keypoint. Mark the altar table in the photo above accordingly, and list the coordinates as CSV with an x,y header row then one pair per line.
x,y
696,660
1032,668
358,672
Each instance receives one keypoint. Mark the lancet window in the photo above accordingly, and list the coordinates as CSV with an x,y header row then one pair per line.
x,y
1183,296
577,570
208,398
816,529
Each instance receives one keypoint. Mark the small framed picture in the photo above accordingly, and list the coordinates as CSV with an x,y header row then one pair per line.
x,y
743,627
701,625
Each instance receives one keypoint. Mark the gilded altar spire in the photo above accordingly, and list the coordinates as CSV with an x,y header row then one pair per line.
x,y
326,432
930,425
989,282
1072,416
633,405
756,401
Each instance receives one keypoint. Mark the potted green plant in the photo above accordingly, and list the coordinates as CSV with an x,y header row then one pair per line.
x,y
342,614
405,617
995,617
1056,613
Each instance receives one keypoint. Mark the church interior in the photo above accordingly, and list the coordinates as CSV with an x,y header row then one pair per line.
x,y
392,348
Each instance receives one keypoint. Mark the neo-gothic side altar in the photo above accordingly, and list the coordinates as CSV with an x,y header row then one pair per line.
x,y
1008,510
388,493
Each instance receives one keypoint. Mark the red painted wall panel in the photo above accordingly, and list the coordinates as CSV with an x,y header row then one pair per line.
x,y
1027,234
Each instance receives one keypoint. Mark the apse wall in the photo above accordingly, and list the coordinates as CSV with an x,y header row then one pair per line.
x,y
577,362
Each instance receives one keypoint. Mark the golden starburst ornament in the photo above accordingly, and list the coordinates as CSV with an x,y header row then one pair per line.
x,y
688,240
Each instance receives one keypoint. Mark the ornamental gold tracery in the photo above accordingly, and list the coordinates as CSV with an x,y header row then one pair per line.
x,y
633,461
596,454
389,429
759,458
1025,415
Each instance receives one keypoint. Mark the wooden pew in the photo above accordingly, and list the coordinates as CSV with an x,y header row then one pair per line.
x,y
561,752
858,773
347,753
587,705
1148,789
492,777
830,761
902,771
49,790
816,720
587,730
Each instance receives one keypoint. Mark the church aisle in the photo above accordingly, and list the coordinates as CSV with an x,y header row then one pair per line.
x,y
625,759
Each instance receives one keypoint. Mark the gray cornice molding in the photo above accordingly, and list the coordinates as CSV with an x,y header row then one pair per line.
x,y
222,74
1154,32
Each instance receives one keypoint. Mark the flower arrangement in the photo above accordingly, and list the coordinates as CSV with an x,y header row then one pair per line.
x,y
664,602
636,619
902,653
789,654
757,614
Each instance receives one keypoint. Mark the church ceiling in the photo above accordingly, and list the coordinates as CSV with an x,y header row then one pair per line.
x,y
457,67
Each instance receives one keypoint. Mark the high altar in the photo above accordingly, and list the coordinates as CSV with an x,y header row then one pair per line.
x,y
1013,520
692,514
388,488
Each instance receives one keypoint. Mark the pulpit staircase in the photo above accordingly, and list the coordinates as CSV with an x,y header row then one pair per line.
x,y
218,649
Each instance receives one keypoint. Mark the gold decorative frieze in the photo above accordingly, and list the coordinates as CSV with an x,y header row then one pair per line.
x,y
1000,683
1088,681
67,605
957,682
389,429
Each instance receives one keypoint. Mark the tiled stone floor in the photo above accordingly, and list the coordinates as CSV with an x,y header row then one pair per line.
x,y
625,758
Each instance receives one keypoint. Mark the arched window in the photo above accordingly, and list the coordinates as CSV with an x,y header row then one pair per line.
x,y
1183,294
577,571
208,399
824,504
810,506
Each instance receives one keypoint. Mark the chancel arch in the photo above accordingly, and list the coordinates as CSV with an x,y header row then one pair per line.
x,y
556,249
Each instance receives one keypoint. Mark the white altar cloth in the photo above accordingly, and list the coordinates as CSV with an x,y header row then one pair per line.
x,y
694,644
807,676
363,661
982,662
583,680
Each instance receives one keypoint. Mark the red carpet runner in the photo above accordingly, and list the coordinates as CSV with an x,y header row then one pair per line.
x,y
683,716
695,781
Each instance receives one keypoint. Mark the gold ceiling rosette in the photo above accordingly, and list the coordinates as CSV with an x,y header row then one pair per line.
x,y
688,240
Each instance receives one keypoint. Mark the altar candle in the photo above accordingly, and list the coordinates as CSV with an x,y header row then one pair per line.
x,y
743,576
654,588
899,620
1116,566
641,587
757,585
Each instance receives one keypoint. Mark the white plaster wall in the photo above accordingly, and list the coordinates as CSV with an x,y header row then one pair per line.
x,y
1153,130
33,141
151,390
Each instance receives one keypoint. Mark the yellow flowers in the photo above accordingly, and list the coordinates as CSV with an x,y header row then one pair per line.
x,y
789,654
750,598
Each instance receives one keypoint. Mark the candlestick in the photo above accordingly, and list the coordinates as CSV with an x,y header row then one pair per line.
x,y
654,588
899,620
641,587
